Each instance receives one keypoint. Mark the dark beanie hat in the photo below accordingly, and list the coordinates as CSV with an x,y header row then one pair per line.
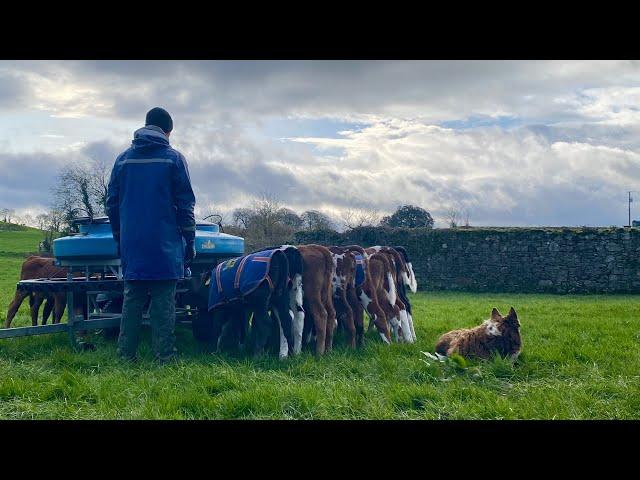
x,y
160,118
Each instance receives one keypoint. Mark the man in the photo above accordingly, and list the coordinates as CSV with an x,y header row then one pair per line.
x,y
150,205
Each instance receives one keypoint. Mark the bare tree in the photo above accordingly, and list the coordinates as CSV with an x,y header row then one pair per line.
x,y
42,220
452,217
7,214
27,220
290,218
265,222
81,190
266,213
466,217
99,173
55,219
315,220
360,218
242,217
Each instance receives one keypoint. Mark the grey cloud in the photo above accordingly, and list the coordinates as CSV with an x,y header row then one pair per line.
x,y
27,178
501,176
13,91
437,90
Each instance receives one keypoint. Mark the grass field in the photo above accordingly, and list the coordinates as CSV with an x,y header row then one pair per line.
x,y
580,360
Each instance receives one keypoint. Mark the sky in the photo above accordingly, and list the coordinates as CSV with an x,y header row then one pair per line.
x,y
521,143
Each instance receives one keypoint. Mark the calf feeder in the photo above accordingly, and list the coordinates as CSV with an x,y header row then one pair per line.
x,y
94,285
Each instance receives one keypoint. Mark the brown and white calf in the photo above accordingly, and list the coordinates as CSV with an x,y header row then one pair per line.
x,y
345,298
394,308
402,276
372,295
409,280
320,314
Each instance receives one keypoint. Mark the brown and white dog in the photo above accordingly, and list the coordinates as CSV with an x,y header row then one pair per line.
x,y
497,334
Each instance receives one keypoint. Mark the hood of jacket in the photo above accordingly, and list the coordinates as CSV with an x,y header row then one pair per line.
x,y
149,136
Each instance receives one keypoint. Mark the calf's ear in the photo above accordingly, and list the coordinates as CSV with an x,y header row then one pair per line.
x,y
495,314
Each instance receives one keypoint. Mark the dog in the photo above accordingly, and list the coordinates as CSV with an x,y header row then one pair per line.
x,y
497,334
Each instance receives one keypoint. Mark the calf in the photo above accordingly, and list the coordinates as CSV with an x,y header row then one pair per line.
x,y
38,267
292,343
401,276
320,316
371,292
344,293
236,296
387,291
409,281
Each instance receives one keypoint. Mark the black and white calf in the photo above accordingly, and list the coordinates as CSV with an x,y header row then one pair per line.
x,y
409,280
291,331
268,302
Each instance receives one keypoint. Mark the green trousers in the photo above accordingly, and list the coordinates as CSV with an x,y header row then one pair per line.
x,y
162,312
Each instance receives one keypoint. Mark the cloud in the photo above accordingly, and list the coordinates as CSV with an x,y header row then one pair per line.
x,y
13,92
27,178
514,142
433,91
501,177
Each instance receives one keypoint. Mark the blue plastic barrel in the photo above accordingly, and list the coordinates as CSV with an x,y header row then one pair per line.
x,y
95,241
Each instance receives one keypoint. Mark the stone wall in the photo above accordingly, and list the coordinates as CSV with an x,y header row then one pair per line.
x,y
559,260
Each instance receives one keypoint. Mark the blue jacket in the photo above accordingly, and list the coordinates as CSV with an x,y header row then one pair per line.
x,y
238,277
150,206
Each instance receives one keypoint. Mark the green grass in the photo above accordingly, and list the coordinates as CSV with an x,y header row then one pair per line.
x,y
580,360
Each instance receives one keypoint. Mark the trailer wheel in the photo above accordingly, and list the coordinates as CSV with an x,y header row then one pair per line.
x,y
204,328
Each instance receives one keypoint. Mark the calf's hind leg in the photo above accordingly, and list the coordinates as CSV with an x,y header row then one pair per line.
x,y
35,300
358,315
14,306
319,315
47,309
262,322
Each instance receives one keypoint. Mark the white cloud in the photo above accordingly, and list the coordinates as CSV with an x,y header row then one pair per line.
x,y
499,176
559,144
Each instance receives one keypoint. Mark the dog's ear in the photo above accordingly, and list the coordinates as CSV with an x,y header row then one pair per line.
x,y
495,315
512,317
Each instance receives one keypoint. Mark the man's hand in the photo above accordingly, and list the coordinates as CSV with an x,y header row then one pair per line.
x,y
189,254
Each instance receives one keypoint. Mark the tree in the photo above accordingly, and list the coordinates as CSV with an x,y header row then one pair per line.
x,y
409,216
265,213
51,223
452,217
315,220
7,213
55,219
360,218
28,220
290,218
99,175
81,190
42,220
266,222
242,217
